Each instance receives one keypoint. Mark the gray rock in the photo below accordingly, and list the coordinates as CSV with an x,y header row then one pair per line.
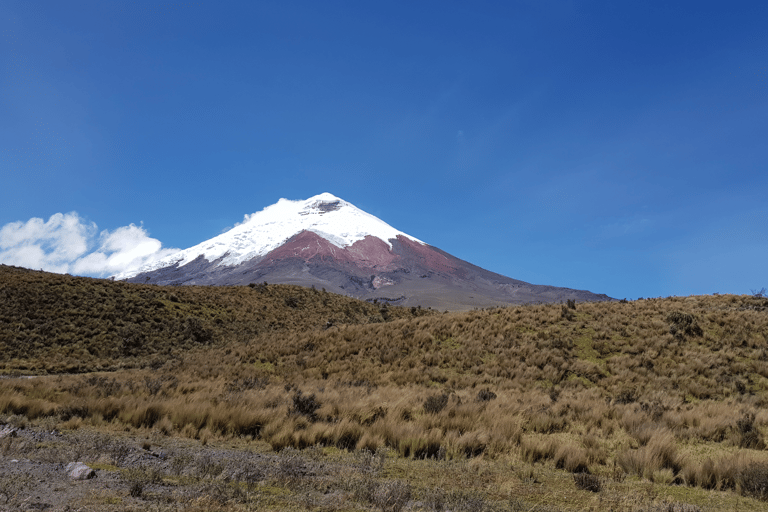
x,y
7,431
79,471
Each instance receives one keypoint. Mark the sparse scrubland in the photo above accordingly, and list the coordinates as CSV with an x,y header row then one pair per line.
x,y
303,399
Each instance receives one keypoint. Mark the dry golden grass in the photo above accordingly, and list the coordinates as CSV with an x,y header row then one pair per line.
x,y
52,323
668,391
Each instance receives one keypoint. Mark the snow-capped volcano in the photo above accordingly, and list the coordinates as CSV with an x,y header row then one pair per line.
x,y
333,219
327,242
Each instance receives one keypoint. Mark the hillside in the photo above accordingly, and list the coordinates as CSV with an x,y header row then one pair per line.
x,y
51,323
654,404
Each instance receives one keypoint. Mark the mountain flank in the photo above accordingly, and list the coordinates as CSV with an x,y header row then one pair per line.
x,y
329,243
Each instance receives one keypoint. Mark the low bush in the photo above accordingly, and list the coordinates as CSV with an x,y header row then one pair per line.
x,y
465,501
392,495
435,403
587,482
753,480
306,405
485,395
683,324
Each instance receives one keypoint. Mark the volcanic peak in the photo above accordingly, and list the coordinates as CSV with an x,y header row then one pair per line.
x,y
331,218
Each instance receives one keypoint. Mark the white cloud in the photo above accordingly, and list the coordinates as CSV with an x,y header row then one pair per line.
x,y
246,218
67,243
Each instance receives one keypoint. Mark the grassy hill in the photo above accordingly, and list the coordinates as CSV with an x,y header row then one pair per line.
x,y
659,397
51,323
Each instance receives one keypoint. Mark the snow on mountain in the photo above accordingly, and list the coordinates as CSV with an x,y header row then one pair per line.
x,y
333,219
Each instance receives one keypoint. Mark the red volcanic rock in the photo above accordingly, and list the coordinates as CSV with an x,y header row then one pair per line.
x,y
306,245
369,253
427,256
372,252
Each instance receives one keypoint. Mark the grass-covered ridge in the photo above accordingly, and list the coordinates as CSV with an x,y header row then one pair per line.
x,y
51,323
660,399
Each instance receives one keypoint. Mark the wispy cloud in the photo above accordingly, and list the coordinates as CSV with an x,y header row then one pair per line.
x,y
66,243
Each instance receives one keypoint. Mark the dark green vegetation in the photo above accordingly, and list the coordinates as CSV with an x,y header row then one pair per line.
x,y
626,405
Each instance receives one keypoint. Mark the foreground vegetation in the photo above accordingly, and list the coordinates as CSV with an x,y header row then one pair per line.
x,y
625,405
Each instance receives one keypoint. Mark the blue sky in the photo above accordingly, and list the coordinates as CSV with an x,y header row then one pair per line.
x,y
618,147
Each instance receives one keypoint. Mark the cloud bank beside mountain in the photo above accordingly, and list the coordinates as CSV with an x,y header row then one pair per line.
x,y
67,243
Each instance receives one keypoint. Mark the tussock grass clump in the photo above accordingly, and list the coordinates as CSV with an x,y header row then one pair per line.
x,y
571,458
748,434
535,450
649,461
710,474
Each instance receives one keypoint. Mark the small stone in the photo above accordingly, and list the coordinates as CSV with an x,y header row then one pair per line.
x,y
79,471
7,431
